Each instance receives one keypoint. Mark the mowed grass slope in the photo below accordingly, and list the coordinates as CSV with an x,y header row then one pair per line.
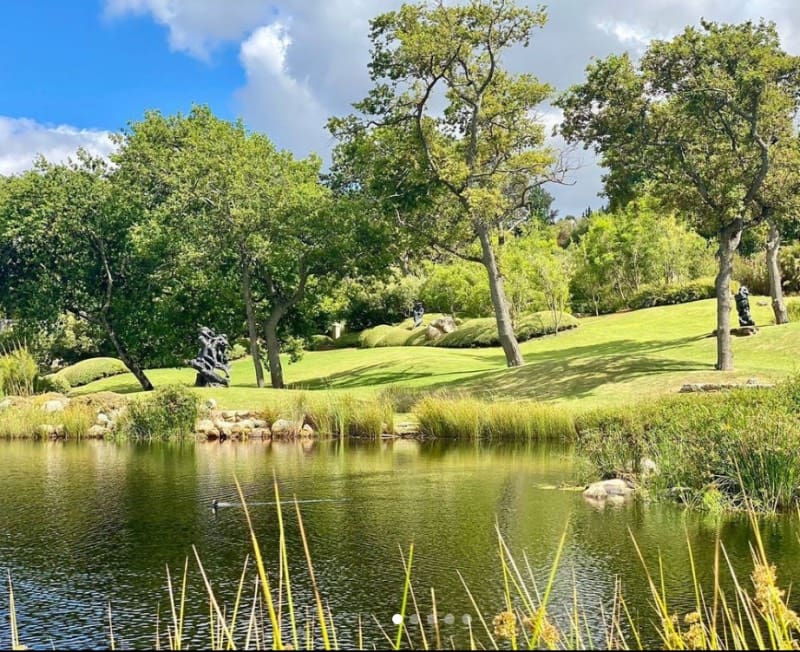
x,y
609,360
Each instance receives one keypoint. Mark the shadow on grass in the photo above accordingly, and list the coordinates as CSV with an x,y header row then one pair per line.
x,y
576,372
375,374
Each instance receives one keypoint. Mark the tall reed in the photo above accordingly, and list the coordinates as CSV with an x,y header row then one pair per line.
x,y
468,418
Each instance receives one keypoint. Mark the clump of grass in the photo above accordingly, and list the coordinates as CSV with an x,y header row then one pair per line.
x,y
77,419
710,450
793,309
24,421
469,418
171,412
402,399
336,414
18,372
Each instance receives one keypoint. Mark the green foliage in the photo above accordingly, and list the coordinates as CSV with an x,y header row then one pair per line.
x,y
87,371
620,253
793,308
670,294
789,260
237,352
53,383
752,272
168,413
18,372
457,287
372,302
722,443
483,332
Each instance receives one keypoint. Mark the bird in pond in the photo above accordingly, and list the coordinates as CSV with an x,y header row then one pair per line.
x,y
214,505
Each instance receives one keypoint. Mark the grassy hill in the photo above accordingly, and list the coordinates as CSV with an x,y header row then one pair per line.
x,y
609,360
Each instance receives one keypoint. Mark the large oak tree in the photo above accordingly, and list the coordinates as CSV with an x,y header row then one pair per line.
x,y
447,141
708,117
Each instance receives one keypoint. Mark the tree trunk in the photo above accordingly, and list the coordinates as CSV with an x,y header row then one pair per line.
x,y
774,274
273,346
505,331
728,242
251,323
127,359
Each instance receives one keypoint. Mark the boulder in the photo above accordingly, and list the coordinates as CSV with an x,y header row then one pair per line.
x,y
260,433
55,405
606,488
204,426
5,403
432,333
285,428
97,432
102,419
444,324
307,430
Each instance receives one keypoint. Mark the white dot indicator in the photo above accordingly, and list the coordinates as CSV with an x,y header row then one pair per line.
x,y
414,619
466,619
449,619
397,619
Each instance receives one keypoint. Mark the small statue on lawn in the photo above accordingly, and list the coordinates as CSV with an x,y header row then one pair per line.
x,y
417,312
743,307
212,357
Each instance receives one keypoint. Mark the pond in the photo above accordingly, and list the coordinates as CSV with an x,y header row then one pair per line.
x,y
89,526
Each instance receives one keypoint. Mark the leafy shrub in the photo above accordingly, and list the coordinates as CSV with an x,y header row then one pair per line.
x,y
237,352
170,412
53,383
671,294
483,332
321,343
789,261
87,371
384,335
378,302
18,372
793,308
752,272
458,287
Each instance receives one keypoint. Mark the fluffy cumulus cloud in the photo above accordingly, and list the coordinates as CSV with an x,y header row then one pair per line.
x,y
197,26
305,61
21,140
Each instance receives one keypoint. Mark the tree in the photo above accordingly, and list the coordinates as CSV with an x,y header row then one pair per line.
x,y
461,173
707,117
241,207
71,244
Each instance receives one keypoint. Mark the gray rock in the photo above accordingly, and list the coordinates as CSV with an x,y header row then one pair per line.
x,y
204,426
432,333
56,405
5,403
102,419
97,432
307,430
444,324
606,488
285,428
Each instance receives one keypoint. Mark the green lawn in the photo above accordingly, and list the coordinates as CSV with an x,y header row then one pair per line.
x,y
609,360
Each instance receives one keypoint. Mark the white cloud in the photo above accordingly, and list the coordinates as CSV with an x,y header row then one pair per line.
x,y
197,26
306,60
22,139
273,100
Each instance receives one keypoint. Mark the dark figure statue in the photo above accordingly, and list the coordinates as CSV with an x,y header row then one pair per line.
x,y
418,311
212,357
743,307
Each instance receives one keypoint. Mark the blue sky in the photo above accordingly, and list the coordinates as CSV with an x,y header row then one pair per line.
x,y
71,71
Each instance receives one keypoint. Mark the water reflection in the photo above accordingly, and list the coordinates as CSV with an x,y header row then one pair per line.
x,y
85,525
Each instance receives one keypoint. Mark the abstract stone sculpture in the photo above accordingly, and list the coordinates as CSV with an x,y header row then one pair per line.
x,y
212,357
743,307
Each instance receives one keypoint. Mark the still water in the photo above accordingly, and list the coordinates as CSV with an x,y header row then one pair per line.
x,y
85,526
